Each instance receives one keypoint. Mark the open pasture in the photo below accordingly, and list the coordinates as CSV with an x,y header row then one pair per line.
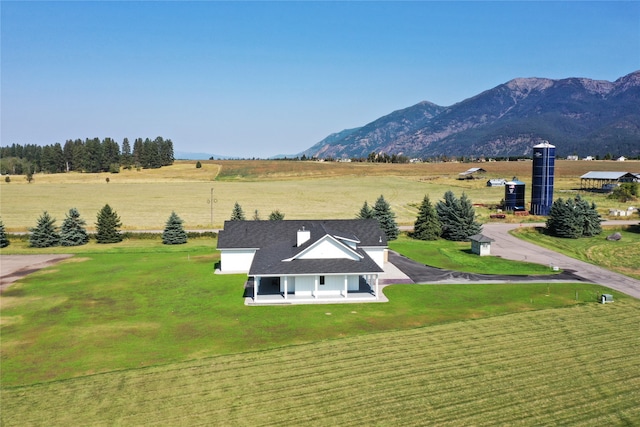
x,y
144,199
568,366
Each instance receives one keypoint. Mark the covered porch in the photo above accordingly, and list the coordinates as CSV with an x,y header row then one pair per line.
x,y
311,289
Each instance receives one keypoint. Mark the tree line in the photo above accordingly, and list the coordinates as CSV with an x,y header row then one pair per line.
x,y
73,231
91,155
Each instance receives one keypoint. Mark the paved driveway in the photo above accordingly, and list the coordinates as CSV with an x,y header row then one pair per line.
x,y
510,247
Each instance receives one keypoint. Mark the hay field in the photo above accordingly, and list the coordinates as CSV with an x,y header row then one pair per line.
x,y
571,366
144,199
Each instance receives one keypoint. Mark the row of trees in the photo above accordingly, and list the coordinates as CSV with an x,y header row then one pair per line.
x,y
451,218
73,231
238,214
90,155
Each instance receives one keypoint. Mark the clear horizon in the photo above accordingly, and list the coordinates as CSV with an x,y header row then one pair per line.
x,y
257,79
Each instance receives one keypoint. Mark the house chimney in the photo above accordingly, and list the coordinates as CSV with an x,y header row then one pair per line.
x,y
303,236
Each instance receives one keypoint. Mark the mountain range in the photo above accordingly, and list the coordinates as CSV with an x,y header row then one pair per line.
x,y
578,115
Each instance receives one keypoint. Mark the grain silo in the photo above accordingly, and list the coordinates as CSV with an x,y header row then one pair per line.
x,y
544,158
514,195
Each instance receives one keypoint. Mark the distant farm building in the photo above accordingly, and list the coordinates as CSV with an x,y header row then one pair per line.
x,y
496,182
473,173
605,181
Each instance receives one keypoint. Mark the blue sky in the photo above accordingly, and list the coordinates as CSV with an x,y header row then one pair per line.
x,y
255,79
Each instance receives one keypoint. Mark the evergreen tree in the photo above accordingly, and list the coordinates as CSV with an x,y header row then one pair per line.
x,y
427,225
174,233
126,158
562,221
72,232
573,218
276,216
107,227
4,240
44,235
256,215
365,212
457,217
386,218
237,214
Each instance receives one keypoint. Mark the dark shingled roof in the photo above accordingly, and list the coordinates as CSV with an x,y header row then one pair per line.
x,y
276,241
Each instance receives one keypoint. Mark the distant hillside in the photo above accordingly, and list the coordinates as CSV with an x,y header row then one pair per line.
x,y
185,155
578,115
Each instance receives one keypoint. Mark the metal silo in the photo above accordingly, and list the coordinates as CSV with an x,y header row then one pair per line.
x,y
514,195
544,158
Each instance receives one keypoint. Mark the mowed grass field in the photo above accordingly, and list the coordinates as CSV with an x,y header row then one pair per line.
x,y
622,256
301,190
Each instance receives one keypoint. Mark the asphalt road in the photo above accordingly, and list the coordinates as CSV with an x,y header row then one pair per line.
x,y
509,247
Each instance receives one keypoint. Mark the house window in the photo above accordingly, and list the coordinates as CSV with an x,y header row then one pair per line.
x,y
322,280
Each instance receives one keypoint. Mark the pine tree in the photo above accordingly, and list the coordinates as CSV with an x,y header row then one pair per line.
x,y
256,215
72,232
427,225
238,213
573,218
44,235
4,240
365,212
174,233
276,216
457,217
386,218
107,227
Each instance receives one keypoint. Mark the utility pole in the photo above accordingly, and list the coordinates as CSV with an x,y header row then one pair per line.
x,y
211,206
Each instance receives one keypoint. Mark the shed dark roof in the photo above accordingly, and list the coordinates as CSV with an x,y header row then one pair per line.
x,y
481,238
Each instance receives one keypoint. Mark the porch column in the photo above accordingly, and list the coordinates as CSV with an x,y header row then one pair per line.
x,y
376,286
286,286
346,285
256,283
315,283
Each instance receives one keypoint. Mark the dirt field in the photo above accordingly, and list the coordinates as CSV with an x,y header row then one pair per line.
x,y
14,267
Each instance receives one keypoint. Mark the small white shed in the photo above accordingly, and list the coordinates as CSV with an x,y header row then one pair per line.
x,y
481,244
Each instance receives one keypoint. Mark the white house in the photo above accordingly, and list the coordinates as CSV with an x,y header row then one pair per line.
x,y
298,260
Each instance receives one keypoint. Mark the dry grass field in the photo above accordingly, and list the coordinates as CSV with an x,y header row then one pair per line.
x,y
144,199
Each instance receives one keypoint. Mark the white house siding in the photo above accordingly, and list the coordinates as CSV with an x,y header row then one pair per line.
x,y
354,283
305,285
236,260
327,249
333,285
377,254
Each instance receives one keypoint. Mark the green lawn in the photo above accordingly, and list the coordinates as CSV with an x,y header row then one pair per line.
x,y
621,256
565,366
141,303
457,256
